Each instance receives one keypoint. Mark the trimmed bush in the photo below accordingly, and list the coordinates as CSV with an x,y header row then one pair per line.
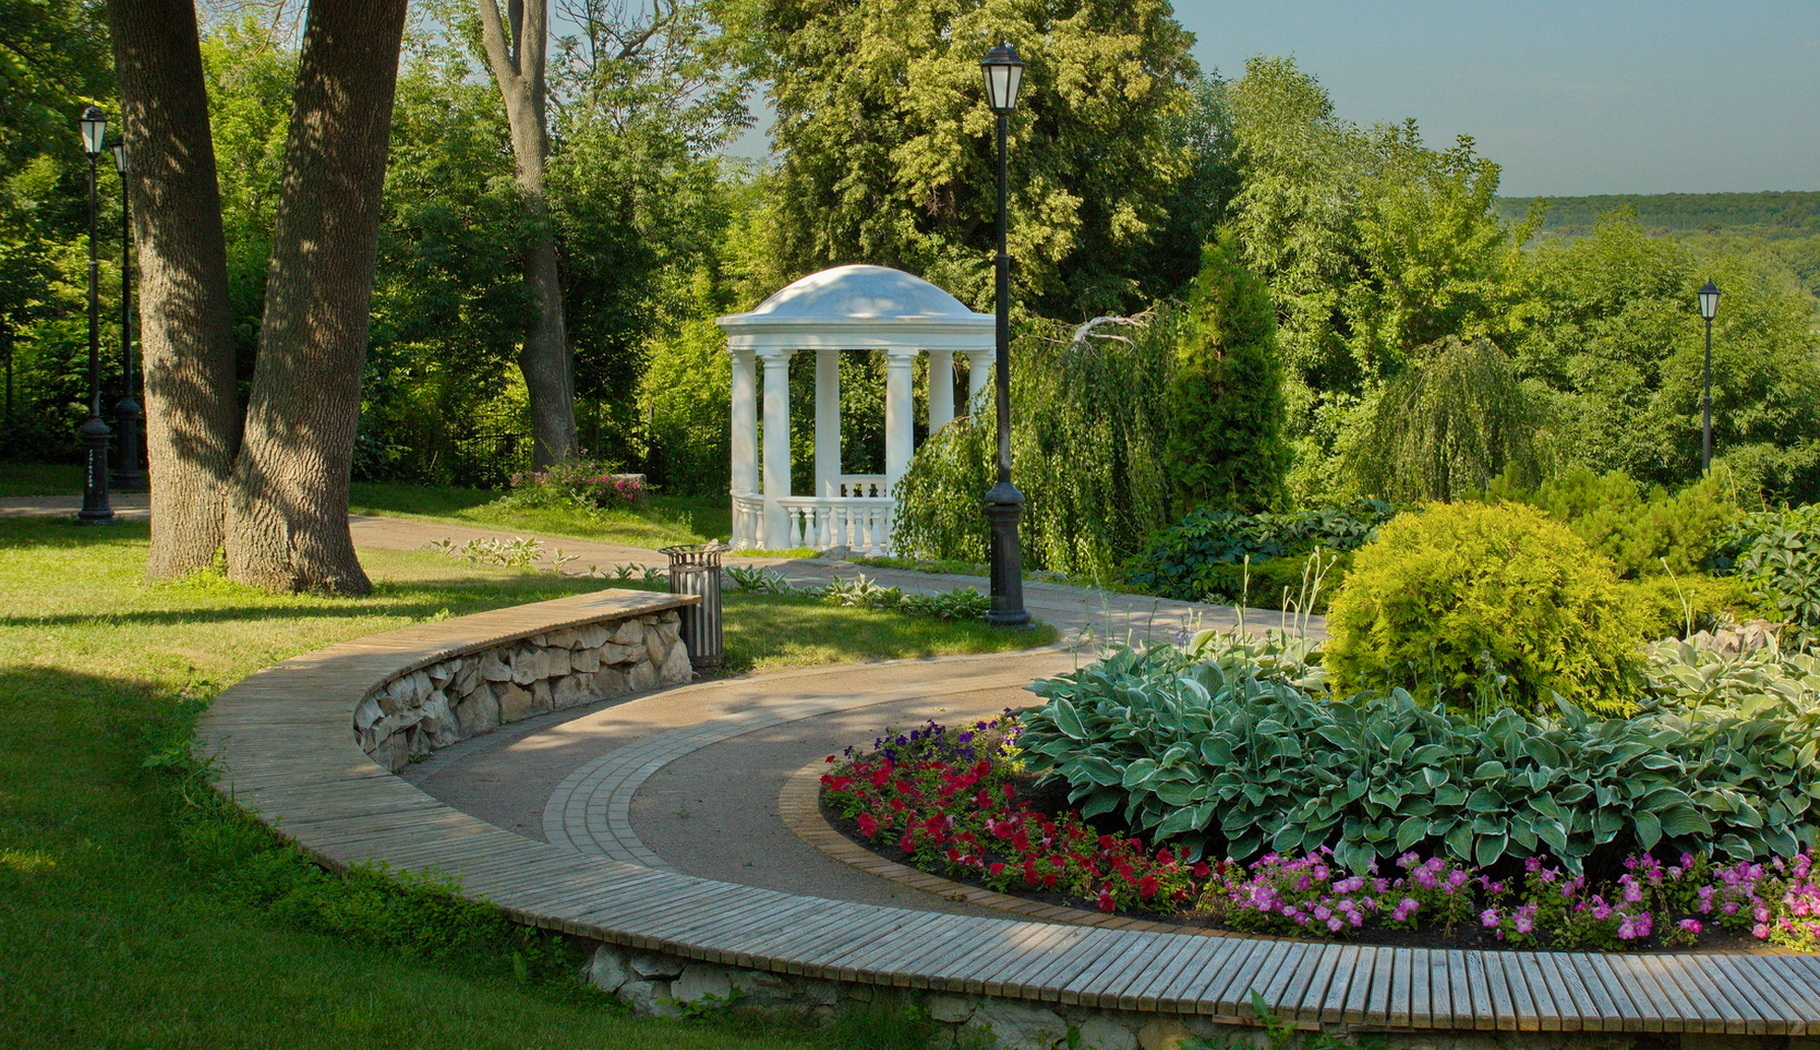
x,y
1644,534
1481,607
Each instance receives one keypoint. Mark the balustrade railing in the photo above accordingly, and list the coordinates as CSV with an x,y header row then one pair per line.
x,y
862,524
865,486
748,520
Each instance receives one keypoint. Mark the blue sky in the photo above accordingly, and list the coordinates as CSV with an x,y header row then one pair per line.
x,y
1619,96
1600,96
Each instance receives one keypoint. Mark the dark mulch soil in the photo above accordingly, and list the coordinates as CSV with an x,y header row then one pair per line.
x,y
1052,799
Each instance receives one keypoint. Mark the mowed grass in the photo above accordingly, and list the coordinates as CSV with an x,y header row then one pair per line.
x,y
114,932
40,479
670,519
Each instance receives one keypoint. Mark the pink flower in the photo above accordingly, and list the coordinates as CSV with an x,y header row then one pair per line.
x,y
1488,917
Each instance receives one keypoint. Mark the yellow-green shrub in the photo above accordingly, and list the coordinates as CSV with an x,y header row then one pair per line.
x,y
1665,604
1482,606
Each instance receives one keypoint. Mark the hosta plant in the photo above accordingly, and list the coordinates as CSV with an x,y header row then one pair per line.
x,y
1216,755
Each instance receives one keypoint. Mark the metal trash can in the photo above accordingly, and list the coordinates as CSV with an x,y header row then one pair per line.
x,y
695,569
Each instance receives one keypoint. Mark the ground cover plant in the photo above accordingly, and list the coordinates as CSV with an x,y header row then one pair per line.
x,y
137,912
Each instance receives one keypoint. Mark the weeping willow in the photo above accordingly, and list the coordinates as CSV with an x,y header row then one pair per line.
x,y
1090,418
1446,428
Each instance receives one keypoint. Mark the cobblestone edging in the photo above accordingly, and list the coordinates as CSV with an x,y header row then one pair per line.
x,y
427,708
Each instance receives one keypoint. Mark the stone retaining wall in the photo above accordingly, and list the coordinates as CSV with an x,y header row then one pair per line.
x,y
431,707
657,984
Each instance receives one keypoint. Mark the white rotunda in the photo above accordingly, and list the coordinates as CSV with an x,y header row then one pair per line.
x,y
845,308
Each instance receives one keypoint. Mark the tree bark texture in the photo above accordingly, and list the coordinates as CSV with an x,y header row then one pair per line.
x,y
517,65
288,519
192,409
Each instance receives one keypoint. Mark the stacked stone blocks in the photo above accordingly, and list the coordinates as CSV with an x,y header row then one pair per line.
x,y
431,707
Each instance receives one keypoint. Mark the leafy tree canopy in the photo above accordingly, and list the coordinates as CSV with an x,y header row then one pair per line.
x,y
889,156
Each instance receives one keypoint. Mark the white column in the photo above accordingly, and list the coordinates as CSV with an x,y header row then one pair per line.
x,y
941,389
827,423
745,440
777,447
979,369
900,413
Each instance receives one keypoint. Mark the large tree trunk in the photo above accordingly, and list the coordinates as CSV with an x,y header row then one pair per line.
x,y
192,410
518,67
288,523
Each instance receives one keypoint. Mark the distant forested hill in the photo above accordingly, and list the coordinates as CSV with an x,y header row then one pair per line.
x,y
1768,215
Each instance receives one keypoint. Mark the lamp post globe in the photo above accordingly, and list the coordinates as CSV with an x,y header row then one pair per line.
x,y
1004,74
127,476
1709,308
95,510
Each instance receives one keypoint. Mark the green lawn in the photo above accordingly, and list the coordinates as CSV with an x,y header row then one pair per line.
x,y
40,479
134,912
671,519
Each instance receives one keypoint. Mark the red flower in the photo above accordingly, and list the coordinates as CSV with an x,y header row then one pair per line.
x,y
1147,887
867,825
1106,903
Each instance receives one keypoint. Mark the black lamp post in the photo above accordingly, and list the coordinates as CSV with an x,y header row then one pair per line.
x,y
95,510
1709,307
1004,503
127,476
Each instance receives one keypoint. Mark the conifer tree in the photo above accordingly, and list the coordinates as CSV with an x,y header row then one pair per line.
x,y
1226,444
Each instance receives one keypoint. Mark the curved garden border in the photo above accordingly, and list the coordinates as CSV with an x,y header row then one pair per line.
x,y
285,745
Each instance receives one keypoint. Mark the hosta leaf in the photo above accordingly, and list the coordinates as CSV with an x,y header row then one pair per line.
x,y
1485,800
1067,719
1649,830
1100,802
1176,823
1459,841
1138,773
1215,752
1685,820
1553,833
1411,831
1488,849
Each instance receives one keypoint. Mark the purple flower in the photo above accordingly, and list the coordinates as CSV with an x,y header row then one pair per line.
x,y
1488,917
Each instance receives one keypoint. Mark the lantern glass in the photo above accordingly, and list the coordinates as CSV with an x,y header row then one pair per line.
x,y
94,130
1709,301
120,157
1004,76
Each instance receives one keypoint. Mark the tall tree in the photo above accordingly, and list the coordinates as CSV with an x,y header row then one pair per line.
x,y
192,404
515,51
888,153
288,519
1443,430
1226,445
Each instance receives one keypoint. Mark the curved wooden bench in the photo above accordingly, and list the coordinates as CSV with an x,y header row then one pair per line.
x,y
284,743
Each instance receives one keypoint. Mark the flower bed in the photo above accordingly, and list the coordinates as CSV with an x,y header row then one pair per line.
x,y
960,803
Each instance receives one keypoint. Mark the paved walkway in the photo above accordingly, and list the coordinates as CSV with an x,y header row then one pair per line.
x,y
689,779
